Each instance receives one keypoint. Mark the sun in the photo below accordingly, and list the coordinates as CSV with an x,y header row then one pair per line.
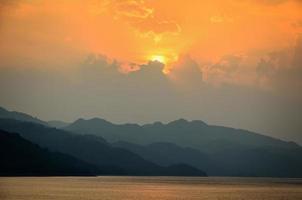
x,y
165,59
158,58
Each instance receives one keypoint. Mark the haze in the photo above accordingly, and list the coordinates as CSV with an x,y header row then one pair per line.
x,y
232,63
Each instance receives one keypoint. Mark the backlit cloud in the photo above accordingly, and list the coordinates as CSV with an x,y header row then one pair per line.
x,y
223,61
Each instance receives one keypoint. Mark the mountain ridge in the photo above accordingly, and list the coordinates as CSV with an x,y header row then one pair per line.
x,y
231,152
20,157
94,150
180,123
4,113
234,152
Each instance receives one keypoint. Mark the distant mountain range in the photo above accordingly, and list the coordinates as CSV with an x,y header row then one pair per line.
x,y
166,154
21,157
221,151
188,146
5,114
57,124
94,150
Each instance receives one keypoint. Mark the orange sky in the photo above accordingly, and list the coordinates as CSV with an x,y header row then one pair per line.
x,y
231,62
58,33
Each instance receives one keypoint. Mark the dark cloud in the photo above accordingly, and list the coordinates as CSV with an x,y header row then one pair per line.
x,y
100,63
186,73
283,70
230,69
229,63
96,88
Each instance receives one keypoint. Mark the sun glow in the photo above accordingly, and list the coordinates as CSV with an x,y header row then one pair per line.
x,y
166,59
159,58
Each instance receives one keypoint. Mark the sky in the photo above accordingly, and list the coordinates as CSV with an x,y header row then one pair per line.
x,y
231,63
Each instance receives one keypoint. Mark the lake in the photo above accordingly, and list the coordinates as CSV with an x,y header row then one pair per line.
x,y
154,188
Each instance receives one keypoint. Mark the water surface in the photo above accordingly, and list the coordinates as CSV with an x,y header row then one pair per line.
x,y
154,188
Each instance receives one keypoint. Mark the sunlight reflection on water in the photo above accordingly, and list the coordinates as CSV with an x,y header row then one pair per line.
x,y
143,188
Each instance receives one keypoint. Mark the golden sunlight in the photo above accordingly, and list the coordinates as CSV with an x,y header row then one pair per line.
x,y
159,58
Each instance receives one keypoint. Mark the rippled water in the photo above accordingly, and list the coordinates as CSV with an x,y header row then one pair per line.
x,y
142,188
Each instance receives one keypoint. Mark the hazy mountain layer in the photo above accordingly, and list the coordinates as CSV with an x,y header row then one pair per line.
x,y
21,157
57,124
229,152
94,150
5,114
218,150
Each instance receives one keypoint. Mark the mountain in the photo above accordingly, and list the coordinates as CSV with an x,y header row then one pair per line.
x,y
5,114
57,124
196,134
165,154
21,157
234,152
183,170
94,150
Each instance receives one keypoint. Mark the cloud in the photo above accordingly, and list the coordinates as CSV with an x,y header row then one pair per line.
x,y
95,87
186,73
143,18
228,64
241,64
100,70
282,70
152,68
99,66
33,29
132,9
149,78
158,26
230,70
279,71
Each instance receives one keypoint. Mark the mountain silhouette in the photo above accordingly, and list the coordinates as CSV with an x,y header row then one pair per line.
x,y
21,157
196,134
57,124
165,154
5,114
94,150
232,152
143,149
